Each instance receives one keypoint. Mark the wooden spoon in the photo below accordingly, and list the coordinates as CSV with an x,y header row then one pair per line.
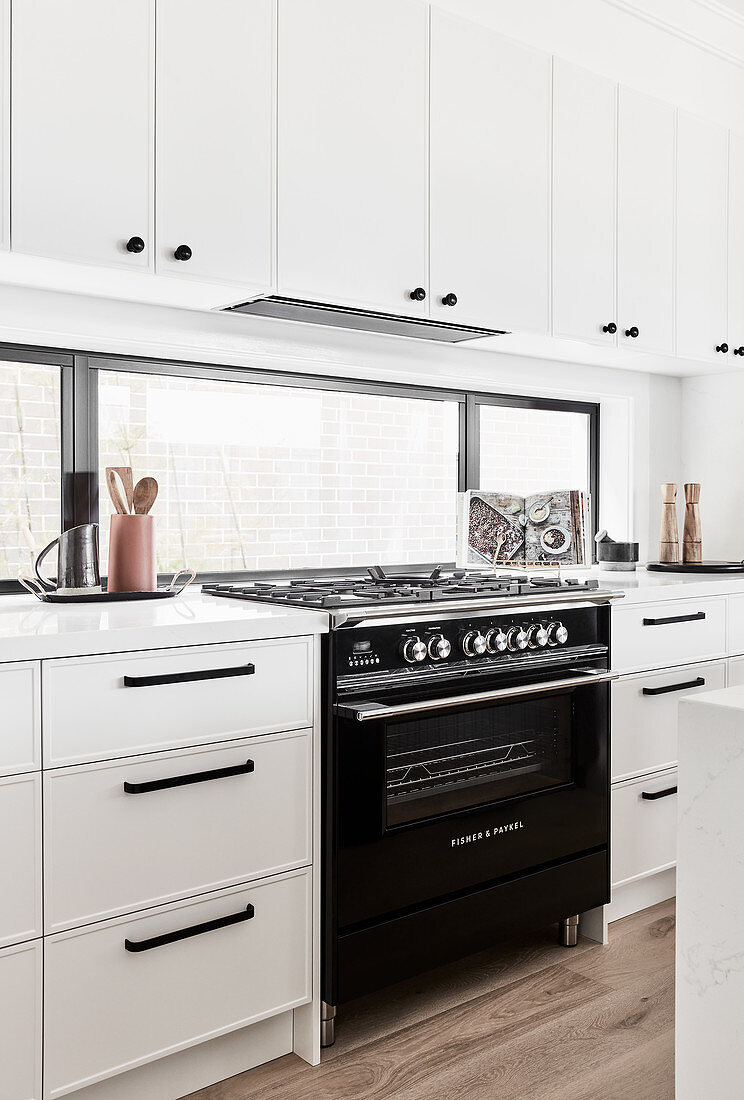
x,y
145,494
499,543
125,473
112,482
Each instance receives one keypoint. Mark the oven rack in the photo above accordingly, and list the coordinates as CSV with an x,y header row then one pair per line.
x,y
456,768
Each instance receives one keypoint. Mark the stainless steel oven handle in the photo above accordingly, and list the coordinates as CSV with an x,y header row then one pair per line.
x,y
366,712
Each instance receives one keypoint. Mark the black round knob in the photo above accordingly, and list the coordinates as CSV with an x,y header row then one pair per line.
x,y
631,332
183,252
722,347
418,295
135,244
739,351
449,300
611,328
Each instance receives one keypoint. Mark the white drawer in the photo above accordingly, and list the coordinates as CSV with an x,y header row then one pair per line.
x,y
20,724
150,847
677,632
736,624
20,1022
96,708
644,715
644,830
109,1009
20,858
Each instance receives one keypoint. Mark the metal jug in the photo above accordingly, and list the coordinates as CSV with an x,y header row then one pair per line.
x,y
77,562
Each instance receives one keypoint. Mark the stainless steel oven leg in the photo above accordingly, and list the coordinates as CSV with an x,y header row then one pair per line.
x,y
568,931
328,1024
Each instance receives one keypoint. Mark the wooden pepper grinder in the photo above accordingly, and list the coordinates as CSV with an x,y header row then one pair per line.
x,y
692,539
669,538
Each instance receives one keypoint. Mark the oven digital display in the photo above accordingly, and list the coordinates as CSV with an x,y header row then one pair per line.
x,y
362,647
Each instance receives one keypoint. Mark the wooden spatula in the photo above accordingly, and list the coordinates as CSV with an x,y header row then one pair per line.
x,y
125,473
117,499
145,494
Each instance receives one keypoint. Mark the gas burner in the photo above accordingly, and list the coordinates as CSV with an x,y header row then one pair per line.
x,y
378,588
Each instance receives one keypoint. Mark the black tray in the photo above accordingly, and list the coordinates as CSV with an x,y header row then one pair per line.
x,y
696,567
110,597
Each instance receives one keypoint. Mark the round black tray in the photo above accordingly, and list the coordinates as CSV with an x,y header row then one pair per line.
x,y
696,567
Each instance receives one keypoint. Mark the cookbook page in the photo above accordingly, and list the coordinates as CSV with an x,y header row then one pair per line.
x,y
490,529
553,532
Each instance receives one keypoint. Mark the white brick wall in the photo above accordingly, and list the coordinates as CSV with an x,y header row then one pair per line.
x,y
530,450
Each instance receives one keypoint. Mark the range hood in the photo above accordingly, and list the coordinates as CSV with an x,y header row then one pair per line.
x,y
365,320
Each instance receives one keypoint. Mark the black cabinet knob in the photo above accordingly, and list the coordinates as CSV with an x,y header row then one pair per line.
x,y
722,347
611,328
631,332
183,252
739,351
449,300
135,244
418,295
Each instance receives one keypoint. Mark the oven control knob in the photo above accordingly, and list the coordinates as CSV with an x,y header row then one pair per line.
x,y
537,636
517,639
439,648
496,640
474,644
557,634
413,650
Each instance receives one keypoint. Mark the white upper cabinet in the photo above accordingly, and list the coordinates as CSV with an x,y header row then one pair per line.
x,y
215,140
490,177
4,124
702,183
584,178
736,248
82,98
352,168
645,224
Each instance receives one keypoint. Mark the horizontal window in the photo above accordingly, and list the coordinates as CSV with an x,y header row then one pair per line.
x,y
268,477
30,463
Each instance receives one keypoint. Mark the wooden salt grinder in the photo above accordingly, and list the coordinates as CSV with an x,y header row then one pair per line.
x,y
692,539
669,537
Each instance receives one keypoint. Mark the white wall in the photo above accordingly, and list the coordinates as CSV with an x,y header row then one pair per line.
x,y
712,430
639,440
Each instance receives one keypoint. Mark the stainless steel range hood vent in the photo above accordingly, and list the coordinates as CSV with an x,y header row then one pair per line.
x,y
365,320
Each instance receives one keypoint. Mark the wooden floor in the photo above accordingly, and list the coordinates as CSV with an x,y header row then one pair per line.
x,y
534,1022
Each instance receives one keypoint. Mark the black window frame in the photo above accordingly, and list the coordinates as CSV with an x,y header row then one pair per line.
x,y
79,428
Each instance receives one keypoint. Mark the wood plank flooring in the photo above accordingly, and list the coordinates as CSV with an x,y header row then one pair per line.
x,y
532,1021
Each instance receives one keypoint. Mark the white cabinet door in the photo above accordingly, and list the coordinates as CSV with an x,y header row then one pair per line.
x,y
644,827
735,675
20,1022
702,184
215,140
584,185
645,223
4,124
736,247
490,177
20,724
82,129
352,168
236,957
20,858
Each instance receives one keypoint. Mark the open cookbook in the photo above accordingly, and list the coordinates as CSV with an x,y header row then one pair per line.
x,y
505,529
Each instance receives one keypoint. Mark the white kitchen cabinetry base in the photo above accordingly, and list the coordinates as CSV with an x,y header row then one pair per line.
x,y
641,895
20,1022
196,1068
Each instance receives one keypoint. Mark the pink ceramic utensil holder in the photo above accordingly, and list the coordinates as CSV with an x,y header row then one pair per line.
x,y
132,554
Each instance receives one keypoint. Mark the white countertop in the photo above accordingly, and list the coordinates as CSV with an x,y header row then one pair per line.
x,y
710,896
645,587
31,630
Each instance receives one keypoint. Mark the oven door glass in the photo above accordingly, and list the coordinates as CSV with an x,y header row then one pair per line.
x,y
452,760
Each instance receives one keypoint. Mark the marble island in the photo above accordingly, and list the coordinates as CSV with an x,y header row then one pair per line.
x,y
710,896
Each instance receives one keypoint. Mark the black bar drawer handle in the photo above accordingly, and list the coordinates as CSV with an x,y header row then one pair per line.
x,y
675,619
187,933
185,780
696,683
188,677
651,796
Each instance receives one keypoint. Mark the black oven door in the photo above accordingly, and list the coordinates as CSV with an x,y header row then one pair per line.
x,y
444,795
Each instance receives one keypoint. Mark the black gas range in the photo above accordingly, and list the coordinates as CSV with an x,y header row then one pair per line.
x,y
466,776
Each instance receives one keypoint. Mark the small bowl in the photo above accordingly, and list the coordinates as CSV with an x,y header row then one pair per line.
x,y
542,508
562,547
